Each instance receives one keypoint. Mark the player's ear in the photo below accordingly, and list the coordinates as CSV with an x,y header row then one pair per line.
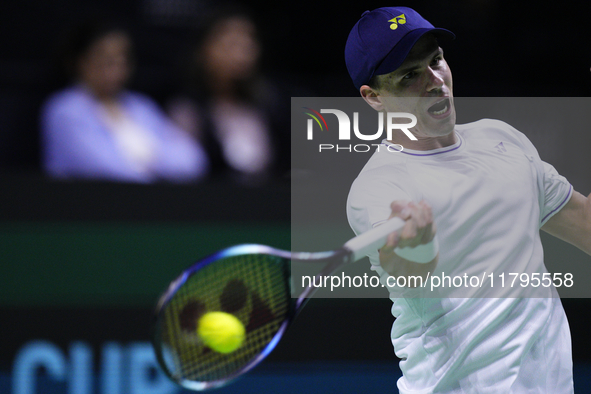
x,y
372,97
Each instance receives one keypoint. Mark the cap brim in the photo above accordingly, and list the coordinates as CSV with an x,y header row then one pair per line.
x,y
398,54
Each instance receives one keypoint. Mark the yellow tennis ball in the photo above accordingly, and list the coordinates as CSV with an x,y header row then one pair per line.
x,y
221,331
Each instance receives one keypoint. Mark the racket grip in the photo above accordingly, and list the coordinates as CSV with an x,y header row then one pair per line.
x,y
373,239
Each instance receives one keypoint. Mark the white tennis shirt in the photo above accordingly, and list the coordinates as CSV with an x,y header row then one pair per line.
x,y
490,194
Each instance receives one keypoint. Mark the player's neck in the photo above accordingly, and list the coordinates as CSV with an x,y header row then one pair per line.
x,y
426,143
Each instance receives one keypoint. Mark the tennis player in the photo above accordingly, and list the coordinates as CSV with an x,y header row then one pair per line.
x,y
474,197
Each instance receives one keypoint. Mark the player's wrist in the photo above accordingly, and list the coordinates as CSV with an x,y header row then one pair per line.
x,y
424,253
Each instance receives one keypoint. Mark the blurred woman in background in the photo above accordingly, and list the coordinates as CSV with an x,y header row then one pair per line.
x,y
228,105
96,128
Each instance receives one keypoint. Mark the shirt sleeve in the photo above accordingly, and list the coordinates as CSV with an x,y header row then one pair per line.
x,y
554,189
557,192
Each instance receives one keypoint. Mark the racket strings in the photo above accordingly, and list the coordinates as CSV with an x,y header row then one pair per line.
x,y
251,287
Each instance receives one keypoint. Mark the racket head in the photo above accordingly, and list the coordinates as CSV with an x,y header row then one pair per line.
x,y
252,282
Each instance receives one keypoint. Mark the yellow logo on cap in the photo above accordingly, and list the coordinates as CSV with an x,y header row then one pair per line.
x,y
399,20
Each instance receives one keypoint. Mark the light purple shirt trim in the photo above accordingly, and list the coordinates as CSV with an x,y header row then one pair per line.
x,y
570,192
434,153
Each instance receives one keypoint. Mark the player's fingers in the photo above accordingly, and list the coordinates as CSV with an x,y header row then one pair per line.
x,y
392,240
426,214
429,235
399,209
391,243
429,230
424,217
420,215
408,233
418,229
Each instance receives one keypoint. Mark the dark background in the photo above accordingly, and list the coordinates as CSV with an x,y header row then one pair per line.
x,y
86,260
503,48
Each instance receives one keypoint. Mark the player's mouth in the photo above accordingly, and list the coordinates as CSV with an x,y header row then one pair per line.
x,y
440,109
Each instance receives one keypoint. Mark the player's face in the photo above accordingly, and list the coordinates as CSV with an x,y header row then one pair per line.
x,y
422,85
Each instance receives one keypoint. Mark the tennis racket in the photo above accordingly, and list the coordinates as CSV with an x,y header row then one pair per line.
x,y
252,282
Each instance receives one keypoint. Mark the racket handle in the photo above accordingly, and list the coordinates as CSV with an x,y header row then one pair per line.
x,y
373,239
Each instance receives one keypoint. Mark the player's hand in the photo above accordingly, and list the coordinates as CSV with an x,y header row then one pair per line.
x,y
419,229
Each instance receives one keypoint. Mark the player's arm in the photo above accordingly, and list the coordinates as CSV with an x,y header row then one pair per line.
x,y
573,222
419,230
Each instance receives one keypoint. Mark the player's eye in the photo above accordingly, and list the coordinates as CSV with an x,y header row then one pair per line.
x,y
409,75
436,60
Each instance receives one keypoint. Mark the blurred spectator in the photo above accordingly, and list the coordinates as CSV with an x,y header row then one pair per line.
x,y
96,128
228,105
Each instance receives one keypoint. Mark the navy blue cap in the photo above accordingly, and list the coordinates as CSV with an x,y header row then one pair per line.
x,y
380,41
